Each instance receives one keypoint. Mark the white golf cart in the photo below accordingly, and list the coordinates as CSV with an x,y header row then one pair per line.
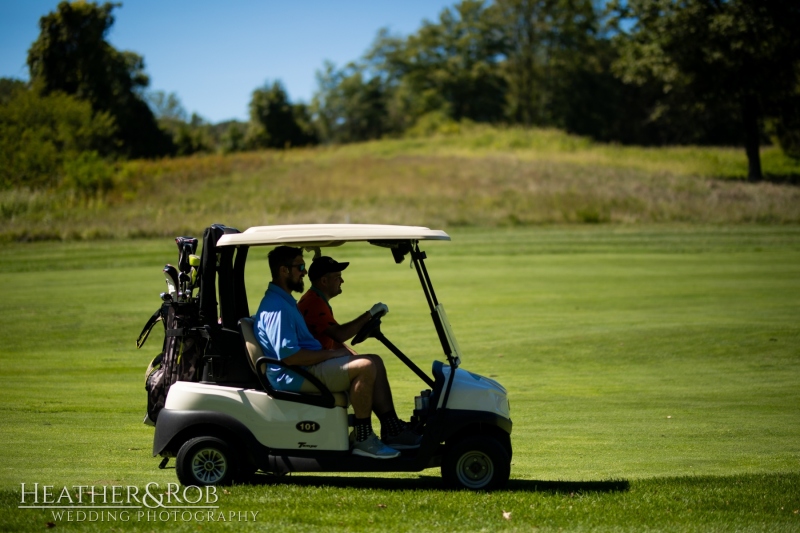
x,y
229,422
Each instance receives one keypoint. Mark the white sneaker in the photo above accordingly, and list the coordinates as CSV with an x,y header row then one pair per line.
x,y
373,447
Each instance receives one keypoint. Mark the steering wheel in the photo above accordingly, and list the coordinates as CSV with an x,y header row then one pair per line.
x,y
367,329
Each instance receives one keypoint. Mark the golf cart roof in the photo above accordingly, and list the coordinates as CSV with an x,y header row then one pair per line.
x,y
326,235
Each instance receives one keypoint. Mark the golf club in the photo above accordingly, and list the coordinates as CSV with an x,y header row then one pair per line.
x,y
185,284
171,276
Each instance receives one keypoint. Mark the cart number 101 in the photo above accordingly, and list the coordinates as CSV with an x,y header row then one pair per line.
x,y
307,427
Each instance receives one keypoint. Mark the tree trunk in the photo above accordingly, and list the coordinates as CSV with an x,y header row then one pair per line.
x,y
751,137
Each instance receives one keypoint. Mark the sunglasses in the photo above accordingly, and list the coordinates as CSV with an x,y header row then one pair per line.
x,y
301,267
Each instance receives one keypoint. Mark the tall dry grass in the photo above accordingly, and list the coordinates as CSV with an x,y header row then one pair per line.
x,y
479,177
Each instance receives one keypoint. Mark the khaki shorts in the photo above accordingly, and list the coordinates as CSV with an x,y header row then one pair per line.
x,y
332,373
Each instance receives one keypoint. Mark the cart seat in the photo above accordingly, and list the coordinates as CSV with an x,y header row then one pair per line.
x,y
312,391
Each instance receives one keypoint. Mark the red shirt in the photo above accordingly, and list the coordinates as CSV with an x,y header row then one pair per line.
x,y
318,315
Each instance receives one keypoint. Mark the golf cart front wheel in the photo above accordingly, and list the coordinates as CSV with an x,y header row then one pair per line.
x,y
205,461
476,463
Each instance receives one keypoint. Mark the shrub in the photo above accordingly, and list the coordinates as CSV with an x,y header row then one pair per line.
x,y
38,134
434,123
88,174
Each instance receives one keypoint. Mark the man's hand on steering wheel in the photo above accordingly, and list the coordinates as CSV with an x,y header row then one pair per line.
x,y
376,313
379,309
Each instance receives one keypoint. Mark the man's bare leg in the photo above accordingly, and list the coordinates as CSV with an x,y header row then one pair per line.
x,y
383,406
382,393
362,372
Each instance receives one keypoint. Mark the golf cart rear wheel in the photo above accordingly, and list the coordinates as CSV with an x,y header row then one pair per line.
x,y
205,461
476,463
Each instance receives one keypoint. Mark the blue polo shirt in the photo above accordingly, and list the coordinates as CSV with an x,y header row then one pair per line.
x,y
282,332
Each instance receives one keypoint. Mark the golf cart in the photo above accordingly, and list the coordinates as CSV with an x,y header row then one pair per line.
x,y
223,420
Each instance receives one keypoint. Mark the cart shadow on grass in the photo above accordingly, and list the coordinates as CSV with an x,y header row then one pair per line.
x,y
430,482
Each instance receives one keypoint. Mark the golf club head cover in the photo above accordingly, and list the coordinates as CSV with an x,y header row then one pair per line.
x,y
186,247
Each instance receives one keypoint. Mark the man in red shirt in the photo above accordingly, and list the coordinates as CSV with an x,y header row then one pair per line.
x,y
325,275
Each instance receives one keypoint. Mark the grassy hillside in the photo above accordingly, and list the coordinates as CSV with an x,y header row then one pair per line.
x,y
475,177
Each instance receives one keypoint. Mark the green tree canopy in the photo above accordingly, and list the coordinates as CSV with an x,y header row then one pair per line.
x,y
167,106
450,66
545,43
40,134
71,55
189,135
742,51
9,87
349,106
273,123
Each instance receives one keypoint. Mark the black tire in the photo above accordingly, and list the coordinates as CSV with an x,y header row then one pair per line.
x,y
205,461
476,463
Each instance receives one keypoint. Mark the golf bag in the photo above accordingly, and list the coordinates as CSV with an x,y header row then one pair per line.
x,y
185,337
179,360
200,343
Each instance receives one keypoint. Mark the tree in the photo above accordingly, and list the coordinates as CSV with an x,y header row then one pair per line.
x,y
192,137
40,134
71,55
189,135
9,87
547,43
231,138
450,66
785,125
741,51
272,120
349,106
167,106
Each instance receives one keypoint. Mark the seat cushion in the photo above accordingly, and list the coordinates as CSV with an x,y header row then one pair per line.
x,y
255,353
253,348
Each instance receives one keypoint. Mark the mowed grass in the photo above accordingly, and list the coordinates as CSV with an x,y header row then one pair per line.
x,y
652,373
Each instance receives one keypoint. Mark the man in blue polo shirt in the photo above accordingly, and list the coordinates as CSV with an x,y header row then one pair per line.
x,y
283,334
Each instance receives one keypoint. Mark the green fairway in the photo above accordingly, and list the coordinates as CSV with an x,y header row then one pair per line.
x,y
652,372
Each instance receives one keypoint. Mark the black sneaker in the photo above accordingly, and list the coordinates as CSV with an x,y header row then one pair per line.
x,y
407,440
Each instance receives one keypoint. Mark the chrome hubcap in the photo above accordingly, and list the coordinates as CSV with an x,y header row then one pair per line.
x,y
209,465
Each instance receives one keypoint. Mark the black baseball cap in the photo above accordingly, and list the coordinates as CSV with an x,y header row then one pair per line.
x,y
324,265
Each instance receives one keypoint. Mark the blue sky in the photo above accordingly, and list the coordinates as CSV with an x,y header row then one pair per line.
x,y
214,54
